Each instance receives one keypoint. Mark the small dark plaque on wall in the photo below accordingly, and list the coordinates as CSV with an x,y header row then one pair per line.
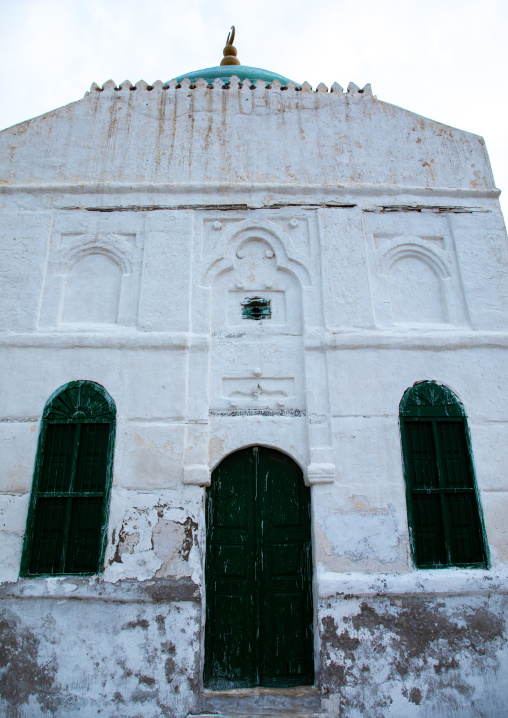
x,y
256,308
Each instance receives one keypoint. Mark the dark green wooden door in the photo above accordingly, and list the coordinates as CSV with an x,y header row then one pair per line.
x,y
258,573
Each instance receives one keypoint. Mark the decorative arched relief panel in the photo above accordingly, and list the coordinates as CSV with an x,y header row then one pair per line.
x,y
414,269
272,234
415,276
294,229
117,247
255,279
92,280
256,290
92,290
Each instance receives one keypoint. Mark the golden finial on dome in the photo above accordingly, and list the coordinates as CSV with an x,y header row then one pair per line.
x,y
229,51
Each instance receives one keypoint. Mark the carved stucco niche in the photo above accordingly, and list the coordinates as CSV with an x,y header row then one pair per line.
x,y
414,278
258,368
92,280
257,364
254,260
293,228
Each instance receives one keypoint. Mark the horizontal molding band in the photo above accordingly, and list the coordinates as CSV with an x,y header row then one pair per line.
x,y
105,340
343,586
430,341
325,341
290,190
90,589
428,583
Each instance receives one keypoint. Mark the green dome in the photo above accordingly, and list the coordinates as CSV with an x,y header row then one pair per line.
x,y
243,72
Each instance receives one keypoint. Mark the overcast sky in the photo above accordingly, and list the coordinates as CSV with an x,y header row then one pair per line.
x,y
444,59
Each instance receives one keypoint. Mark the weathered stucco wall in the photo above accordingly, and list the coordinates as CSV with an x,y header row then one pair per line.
x,y
275,136
123,650
431,656
379,240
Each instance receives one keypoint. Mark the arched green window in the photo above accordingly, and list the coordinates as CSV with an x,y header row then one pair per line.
x,y
67,516
445,523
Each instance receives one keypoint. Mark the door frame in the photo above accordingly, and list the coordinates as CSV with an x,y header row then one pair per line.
x,y
314,581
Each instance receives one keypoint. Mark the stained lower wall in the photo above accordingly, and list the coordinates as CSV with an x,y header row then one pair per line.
x,y
82,647
77,647
414,655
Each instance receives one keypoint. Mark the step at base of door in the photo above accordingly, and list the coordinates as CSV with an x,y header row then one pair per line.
x,y
294,702
256,715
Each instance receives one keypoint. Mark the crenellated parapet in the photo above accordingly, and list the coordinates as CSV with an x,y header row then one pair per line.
x,y
234,83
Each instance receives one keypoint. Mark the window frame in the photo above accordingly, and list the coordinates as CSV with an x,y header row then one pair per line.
x,y
75,403
432,403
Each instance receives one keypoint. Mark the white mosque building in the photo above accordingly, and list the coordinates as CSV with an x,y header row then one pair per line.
x,y
254,408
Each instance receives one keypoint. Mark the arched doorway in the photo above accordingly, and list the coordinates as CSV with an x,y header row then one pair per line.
x,y
258,573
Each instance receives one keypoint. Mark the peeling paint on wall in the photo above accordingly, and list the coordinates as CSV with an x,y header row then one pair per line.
x,y
383,654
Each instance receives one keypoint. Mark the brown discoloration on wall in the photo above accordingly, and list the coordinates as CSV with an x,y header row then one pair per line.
x,y
339,642
65,657
139,623
161,623
415,696
169,668
190,531
126,544
173,590
194,675
145,680
418,649
191,674
421,625
22,675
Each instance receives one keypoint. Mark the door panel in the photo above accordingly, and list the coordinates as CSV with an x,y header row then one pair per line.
x,y
258,573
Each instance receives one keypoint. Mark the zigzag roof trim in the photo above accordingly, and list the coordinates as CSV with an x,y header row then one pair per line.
x,y
234,83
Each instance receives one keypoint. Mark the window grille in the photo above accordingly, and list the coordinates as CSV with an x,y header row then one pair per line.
x,y
443,508
67,517
256,308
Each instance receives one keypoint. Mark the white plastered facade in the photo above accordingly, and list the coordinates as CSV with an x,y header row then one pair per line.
x,y
133,224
